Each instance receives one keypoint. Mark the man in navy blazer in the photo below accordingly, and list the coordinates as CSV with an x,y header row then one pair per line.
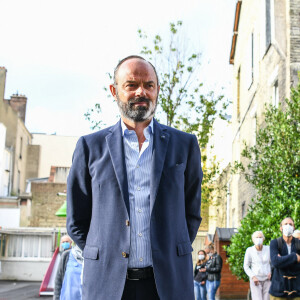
x,y
285,258
134,196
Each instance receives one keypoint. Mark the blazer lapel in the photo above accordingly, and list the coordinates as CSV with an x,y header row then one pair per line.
x,y
160,146
116,150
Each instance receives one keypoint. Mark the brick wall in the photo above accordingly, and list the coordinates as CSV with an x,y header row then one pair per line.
x,y
45,204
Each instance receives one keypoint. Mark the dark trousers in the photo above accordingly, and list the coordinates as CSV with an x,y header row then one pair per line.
x,y
144,289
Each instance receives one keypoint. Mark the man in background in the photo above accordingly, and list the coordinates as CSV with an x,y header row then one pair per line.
x,y
285,259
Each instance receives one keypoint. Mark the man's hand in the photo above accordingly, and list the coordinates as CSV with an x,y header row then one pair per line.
x,y
202,270
269,276
255,280
298,258
202,282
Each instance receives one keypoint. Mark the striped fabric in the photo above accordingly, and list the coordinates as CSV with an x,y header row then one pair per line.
x,y
138,167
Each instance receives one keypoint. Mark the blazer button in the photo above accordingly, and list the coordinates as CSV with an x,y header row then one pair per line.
x,y
124,254
127,223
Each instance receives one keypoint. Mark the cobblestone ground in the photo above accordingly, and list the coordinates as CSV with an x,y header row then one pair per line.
x,y
21,290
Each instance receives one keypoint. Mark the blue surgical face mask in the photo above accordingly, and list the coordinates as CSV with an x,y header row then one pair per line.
x,y
65,245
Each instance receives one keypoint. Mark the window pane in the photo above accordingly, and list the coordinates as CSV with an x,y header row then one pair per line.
x,y
15,246
46,246
31,246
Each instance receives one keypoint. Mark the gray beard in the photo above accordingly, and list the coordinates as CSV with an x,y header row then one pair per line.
x,y
139,113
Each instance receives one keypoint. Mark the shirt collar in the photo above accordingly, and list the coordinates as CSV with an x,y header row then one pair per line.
x,y
125,129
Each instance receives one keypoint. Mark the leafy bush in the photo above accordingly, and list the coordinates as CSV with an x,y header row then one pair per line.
x,y
274,172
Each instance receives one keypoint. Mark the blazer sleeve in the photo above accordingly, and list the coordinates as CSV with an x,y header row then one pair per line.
x,y
281,261
79,195
193,179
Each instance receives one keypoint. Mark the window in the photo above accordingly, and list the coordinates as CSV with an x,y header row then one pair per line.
x,y
243,209
238,94
249,62
18,181
21,148
275,96
228,205
26,246
268,23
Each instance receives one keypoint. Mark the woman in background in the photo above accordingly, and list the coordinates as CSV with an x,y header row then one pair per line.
x,y
213,269
257,265
200,276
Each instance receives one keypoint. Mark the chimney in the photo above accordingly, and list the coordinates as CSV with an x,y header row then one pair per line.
x,y
18,104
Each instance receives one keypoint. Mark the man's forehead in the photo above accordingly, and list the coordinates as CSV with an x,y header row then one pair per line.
x,y
287,221
135,67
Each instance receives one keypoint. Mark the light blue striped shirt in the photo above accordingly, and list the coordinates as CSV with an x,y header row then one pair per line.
x,y
138,167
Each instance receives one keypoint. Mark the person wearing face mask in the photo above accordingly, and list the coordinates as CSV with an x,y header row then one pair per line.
x,y
200,276
296,234
257,266
285,258
213,268
66,243
68,276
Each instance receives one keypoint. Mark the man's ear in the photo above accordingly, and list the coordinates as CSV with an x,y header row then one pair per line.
x,y
113,90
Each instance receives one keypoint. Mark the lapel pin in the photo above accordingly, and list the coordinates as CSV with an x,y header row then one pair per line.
x,y
162,136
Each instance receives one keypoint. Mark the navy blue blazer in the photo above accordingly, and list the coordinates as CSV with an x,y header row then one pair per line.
x,y
284,265
98,211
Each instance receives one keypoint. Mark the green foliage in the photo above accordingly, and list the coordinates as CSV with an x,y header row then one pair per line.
x,y
273,169
181,99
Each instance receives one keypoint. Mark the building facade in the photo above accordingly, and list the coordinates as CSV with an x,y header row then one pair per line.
x,y
265,55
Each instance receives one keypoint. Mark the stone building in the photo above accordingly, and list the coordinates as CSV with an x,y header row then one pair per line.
x,y
265,55
33,167
17,137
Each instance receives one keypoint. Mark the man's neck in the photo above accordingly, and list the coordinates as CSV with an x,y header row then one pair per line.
x,y
138,127
288,239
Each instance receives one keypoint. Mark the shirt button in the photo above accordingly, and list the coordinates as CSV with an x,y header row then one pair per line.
x,y
141,259
139,210
137,166
138,188
140,234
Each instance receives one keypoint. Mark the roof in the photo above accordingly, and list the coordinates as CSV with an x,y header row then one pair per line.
x,y
235,30
225,234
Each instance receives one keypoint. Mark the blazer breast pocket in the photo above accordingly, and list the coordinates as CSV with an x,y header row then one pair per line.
x,y
175,168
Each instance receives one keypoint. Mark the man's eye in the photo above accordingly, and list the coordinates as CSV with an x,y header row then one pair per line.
x,y
130,85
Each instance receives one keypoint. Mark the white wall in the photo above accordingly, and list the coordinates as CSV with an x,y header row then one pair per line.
x,y
9,217
55,151
23,270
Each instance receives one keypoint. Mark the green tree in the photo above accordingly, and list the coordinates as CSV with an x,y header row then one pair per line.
x,y
273,169
181,102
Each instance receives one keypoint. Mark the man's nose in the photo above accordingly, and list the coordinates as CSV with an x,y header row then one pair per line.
x,y
140,92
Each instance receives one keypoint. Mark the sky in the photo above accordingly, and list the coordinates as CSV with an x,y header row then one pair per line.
x,y
58,53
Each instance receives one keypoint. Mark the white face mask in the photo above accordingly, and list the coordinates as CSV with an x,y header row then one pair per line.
x,y
287,230
210,254
258,241
201,256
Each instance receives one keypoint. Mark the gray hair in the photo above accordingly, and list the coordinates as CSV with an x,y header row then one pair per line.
x,y
258,231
